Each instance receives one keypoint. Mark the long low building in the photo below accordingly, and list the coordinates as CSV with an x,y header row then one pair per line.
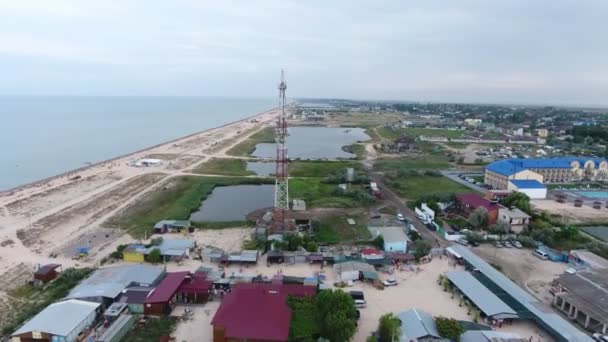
x,y
545,170
524,304
62,321
489,304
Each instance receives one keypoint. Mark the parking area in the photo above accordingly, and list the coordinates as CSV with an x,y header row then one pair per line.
x,y
524,268
464,179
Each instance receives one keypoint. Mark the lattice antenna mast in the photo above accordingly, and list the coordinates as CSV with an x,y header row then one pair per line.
x,y
281,190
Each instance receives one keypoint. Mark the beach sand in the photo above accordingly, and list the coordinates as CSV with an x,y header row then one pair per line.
x,y
56,215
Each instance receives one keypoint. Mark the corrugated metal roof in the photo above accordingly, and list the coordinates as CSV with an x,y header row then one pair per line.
x,y
110,281
483,298
512,166
59,318
167,288
417,324
490,336
561,328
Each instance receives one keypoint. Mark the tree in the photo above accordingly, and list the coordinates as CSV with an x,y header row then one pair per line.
x,y
389,328
423,249
378,242
336,315
449,328
479,218
499,228
154,256
520,201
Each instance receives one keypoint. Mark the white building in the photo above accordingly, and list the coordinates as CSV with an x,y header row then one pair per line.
x,y
533,188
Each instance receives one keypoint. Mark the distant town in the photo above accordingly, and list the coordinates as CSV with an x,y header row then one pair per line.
x,y
324,220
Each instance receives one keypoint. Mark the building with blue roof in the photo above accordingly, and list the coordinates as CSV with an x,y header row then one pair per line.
x,y
545,170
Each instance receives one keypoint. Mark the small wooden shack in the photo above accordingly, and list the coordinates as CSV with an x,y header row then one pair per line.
x,y
47,272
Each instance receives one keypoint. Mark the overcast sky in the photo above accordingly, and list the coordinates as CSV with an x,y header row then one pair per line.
x,y
511,51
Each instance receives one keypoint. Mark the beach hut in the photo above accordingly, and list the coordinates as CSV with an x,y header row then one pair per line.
x,y
47,273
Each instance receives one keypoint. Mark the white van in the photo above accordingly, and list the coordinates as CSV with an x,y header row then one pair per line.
x,y
540,254
360,303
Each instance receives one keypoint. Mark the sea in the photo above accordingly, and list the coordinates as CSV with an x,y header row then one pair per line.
x,y
44,136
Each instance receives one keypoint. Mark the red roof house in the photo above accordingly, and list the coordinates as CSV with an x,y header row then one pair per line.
x,y
159,299
469,202
256,312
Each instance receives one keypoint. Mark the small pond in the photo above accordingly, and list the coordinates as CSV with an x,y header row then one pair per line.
x,y
315,143
262,168
233,203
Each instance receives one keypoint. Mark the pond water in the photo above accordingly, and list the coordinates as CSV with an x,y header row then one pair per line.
x,y
262,168
233,203
315,143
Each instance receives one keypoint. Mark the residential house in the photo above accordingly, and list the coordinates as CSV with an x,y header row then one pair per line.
x,y
170,226
467,203
395,239
516,220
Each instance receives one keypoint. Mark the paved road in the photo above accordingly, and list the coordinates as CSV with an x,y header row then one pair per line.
x,y
454,176
432,237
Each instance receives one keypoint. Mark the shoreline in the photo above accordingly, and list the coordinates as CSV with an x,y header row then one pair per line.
x,y
41,182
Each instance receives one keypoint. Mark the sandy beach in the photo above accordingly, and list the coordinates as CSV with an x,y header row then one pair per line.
x,y
47,220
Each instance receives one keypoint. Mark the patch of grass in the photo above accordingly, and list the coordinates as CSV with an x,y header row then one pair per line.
x,y
175,200
319,194
457,145
304,323
246,147
319,168
478,178
153,330
427,162
416,187
336,229
224,166
357,149
35,299
389,133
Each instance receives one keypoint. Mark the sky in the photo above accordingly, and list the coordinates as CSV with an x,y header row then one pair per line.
x,y
499,51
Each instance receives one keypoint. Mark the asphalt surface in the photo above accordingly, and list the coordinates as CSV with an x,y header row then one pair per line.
x,y
432,237
454,176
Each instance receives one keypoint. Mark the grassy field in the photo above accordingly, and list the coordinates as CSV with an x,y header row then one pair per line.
x,y
416,187
153,330
247,147
414,162
319,168
176,200
225,167
389,133
358,150
29,300
318,194
335,230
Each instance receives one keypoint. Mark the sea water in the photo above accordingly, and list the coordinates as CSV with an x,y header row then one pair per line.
x,y
44,136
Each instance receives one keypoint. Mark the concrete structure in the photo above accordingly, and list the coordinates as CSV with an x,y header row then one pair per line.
x,y
532,188
467,203
583,297
257,312
417,325
522,302
490,336
516,220
170,226
549,170
395,239
488,303
62,321
106,284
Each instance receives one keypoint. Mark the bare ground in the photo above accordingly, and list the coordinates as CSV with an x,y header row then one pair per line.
x,y
86,212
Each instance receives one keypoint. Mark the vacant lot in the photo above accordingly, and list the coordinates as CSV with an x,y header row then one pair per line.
x,y
336,229
320,168
416,187
225,167
413,162
246,147
176,199
319,194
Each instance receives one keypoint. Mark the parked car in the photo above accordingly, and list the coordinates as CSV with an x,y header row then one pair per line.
x,y
541,254
389,282
473,243
517,244
497,244
400,217
360,303
507,244
463,242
